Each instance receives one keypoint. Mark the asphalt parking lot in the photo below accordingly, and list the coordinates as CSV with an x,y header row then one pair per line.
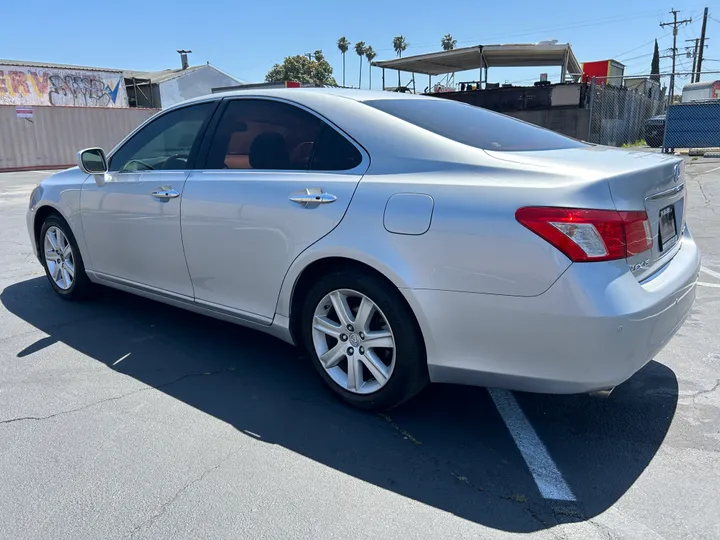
x,y
124,418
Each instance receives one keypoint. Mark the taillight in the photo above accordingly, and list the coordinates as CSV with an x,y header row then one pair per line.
x,y
590,235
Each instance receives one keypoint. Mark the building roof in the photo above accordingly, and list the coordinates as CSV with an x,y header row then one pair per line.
x,y
544,53
167,74
160,76
23,63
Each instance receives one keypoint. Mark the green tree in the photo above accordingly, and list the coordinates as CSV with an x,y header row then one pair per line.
x,y
655,64
360,50
343,44
370,54
318,55
302,69
448,43
399,44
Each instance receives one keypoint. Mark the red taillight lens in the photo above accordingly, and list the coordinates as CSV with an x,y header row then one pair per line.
x,y
590,235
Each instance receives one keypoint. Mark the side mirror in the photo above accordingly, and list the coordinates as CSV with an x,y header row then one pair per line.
x,y
92,161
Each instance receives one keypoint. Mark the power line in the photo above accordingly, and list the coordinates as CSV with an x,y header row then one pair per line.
x,y
618,56
579,24
636,57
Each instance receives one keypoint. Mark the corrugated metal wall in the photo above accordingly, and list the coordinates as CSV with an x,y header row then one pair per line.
x,y
55,134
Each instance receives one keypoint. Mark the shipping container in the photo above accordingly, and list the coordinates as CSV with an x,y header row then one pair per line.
x,y
605,72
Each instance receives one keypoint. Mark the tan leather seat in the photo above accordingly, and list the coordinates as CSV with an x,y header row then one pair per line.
x,y
237,161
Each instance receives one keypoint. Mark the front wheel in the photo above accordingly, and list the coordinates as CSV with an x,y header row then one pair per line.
x,y
363,340
62,261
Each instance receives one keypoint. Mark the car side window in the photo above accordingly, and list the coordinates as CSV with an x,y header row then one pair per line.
x,y
166,143
271,135
333,152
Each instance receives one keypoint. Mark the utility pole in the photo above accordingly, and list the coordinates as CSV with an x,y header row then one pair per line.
x,y
702,46
675,25
692,76
695,70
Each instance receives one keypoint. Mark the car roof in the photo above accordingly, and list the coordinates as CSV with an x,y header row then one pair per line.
x,y
297,94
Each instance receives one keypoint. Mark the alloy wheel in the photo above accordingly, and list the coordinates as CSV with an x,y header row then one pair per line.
x,y
59,258
354,341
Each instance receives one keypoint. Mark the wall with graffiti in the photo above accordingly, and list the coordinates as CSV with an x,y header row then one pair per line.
x,y
61,87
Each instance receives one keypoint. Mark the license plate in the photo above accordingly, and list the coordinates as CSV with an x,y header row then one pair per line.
x,y
668,229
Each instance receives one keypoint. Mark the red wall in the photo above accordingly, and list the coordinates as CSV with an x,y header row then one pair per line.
x,y
599,70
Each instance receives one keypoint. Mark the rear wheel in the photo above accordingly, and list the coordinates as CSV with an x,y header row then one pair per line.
x,y
363,340
62,261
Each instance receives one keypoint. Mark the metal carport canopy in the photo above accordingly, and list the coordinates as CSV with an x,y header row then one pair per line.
x,y
469,58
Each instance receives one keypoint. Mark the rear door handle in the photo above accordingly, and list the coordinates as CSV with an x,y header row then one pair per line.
x,y
165,193
313,196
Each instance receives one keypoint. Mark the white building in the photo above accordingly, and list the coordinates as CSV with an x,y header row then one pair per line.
x,y
160,89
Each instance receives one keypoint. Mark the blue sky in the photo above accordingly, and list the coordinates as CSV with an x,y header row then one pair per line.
x,y
246,39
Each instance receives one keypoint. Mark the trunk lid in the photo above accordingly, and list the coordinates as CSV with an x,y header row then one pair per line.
x,y
637,181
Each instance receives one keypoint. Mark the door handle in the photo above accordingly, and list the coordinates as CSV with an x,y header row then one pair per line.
x,y
313,196
165,193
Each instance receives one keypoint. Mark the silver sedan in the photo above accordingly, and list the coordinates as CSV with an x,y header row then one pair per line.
x,y
399,239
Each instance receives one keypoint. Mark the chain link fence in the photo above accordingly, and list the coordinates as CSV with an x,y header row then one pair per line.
x,y
618,114
632,111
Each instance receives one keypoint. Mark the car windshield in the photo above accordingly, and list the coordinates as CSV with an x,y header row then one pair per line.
x,y
473,126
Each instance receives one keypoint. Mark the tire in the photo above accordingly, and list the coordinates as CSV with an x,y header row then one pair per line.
x,y
406,362
80,286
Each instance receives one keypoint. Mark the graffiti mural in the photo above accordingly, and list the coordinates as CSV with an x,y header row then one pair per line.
x,y
61,87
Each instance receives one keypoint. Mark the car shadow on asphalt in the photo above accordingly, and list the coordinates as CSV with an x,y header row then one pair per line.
x,y
448,448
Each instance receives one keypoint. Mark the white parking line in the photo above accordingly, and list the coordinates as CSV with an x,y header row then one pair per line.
x,y
711,170
709,272
713,285
548,478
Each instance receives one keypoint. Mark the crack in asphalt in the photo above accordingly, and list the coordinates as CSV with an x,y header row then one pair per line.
x,y
699,393
116,398
702,191
164,506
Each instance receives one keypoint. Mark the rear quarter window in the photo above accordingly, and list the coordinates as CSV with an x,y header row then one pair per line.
x,y
474,126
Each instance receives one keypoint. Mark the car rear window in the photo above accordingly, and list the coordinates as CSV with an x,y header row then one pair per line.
x,y
473,126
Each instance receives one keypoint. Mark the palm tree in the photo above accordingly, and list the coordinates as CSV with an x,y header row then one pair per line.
x,y
370,55
399,44
448,43
360,50
343,44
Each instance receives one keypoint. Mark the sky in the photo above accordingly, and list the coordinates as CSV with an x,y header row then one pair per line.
x,y
245,39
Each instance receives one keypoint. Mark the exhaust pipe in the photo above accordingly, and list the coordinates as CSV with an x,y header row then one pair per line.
x,y
602,394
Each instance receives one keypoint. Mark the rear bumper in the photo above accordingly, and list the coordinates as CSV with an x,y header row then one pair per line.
x,y
593,329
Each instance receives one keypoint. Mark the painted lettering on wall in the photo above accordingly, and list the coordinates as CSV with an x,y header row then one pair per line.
x,y
61,87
